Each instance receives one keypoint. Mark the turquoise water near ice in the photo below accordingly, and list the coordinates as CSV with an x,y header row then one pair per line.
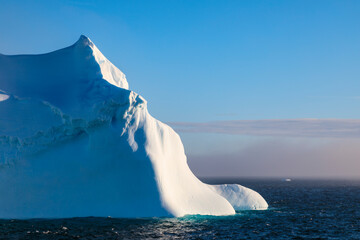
x,y
300,209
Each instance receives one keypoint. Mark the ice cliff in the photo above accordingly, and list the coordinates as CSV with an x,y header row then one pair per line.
x,y
74,141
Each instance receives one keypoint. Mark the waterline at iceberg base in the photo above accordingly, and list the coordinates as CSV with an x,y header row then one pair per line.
x,y
76,142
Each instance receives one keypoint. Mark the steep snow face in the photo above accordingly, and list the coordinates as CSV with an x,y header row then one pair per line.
x,y
108,71
181,192
74,141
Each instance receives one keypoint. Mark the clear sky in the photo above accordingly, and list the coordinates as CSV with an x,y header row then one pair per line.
x,y
204,60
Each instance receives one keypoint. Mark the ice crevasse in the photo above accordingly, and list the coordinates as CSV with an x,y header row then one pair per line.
x,y
75,142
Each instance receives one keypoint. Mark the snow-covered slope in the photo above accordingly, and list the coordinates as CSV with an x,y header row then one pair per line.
x,y
74,141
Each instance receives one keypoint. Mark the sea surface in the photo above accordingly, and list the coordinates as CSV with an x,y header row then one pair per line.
x,y
299,209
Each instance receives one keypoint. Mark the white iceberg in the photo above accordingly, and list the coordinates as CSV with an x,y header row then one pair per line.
x,y
74,142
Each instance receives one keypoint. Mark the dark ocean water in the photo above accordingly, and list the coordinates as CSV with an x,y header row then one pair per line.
x,y
300,209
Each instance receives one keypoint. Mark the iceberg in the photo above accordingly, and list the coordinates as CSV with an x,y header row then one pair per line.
x,y
76,142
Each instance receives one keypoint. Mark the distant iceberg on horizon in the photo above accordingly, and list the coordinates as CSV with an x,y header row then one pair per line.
x,y
76,142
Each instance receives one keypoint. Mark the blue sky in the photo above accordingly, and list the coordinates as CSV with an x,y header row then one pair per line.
x,y
199,61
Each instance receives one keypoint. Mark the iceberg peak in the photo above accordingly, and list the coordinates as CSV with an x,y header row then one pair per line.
x,y
84,41
108,71
75,71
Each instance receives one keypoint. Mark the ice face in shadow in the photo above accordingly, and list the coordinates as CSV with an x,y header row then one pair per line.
x,y
74,141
